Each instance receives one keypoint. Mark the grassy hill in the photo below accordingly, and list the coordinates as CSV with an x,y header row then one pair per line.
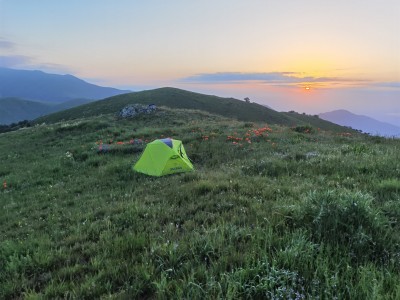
x,y
13,110
177,98
271,212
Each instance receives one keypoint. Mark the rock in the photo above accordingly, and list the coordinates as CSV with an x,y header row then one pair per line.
x,y
133,110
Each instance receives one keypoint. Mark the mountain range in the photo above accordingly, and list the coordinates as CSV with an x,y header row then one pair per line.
x,y
27,95
360,122
51,88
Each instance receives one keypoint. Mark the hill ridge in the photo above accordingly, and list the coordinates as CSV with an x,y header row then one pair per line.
x,y
46,87
361,122
178,98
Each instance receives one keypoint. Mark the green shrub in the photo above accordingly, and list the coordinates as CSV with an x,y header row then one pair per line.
x,y
303,129
359,149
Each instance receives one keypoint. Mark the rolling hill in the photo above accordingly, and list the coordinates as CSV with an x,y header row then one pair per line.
x,y
13,110
177,98
364,123
52,88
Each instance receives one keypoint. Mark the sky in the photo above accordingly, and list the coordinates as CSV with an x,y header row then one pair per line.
x,y
310,56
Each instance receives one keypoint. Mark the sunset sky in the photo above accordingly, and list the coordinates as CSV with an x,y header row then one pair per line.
x,y
304,55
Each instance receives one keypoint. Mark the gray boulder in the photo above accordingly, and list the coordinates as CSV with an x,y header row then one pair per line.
x,y
133,110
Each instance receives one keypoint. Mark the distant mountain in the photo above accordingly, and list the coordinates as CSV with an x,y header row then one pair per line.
x,y
360,122
177,98
70,104
52,88
13,110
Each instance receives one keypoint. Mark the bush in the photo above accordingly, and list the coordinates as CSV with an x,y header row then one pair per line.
x,y
303,129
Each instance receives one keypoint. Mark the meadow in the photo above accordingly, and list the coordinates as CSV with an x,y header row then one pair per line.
x,y
270,212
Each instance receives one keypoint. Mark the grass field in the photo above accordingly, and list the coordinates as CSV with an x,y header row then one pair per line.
x,y
271,212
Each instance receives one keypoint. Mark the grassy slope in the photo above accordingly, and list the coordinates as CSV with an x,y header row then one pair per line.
x,y
13,110
316,122
288,215
176,98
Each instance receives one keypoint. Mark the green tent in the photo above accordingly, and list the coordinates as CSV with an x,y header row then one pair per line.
x,y
163,157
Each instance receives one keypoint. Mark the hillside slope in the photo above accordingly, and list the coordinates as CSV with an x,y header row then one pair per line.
x,y
177,98
13,110
316,121
268,213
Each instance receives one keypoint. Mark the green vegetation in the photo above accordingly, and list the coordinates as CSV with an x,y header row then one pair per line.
x,y
176,98
271,212
15,126
13,110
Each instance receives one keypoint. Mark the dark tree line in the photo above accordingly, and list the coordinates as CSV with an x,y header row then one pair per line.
x,y
15,126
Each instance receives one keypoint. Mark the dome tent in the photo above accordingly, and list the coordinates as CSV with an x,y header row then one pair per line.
x,y
163,157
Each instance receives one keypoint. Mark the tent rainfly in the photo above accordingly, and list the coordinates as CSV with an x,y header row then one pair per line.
x,y
163,157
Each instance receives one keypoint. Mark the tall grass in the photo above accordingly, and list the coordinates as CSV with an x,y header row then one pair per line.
x,y
286,214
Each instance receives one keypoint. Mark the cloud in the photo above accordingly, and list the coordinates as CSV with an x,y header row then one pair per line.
x,y
394,114
11,61
6,45
273,78
226,77
30,63
51,68
392,84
